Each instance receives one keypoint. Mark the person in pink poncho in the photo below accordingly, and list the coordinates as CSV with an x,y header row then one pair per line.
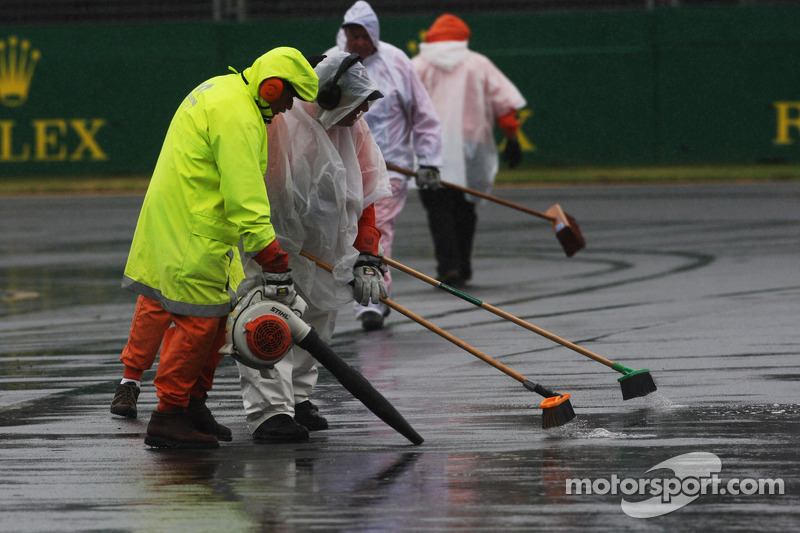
x,y
470,95
403,122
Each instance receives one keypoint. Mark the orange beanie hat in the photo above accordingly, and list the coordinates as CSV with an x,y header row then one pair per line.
x,y
448,28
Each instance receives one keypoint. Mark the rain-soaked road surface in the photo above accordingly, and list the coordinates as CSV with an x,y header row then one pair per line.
x,y
699,284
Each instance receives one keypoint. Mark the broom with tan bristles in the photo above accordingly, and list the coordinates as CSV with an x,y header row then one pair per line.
x,y
556,408
565,226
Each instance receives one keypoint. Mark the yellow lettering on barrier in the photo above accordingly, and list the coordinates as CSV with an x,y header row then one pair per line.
x,y
88,141
48,134
524,143
786,120
51,141
6,146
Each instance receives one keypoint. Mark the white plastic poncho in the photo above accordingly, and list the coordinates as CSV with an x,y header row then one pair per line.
x,y
403,122
320,179
469,93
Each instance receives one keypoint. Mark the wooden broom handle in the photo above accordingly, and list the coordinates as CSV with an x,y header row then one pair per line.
x,y
477,193
439,331
499,312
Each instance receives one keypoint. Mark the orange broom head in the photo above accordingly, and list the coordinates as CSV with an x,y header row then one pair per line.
x,y
555,401
556,411
567,231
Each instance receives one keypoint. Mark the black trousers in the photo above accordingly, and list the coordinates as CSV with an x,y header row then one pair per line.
x,y
452,220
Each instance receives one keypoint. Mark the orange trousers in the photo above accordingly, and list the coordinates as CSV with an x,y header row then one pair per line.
x,y
189,351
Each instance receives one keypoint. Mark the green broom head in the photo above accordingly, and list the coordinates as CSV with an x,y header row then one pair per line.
x,y
637,383
556,411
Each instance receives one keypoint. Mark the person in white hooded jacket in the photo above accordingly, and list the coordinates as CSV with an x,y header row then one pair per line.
x,y
325,174
470,94
404,123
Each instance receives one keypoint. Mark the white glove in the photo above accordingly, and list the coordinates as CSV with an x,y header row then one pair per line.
x,y
368,281
428,178
279,286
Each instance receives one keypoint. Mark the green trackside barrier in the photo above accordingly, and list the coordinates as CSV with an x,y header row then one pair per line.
x,y
684,86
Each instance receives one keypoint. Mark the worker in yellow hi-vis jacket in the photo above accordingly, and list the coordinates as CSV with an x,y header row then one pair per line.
x,y
206,195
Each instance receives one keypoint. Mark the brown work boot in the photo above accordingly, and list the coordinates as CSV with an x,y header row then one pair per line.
x,y
124,402
172,429
203,421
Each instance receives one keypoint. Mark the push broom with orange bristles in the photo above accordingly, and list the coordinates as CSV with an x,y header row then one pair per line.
x,y
565,226
556,408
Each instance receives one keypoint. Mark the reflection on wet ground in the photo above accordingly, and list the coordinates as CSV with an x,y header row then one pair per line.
x,y
697,284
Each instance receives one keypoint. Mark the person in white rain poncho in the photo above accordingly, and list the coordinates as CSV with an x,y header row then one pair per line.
x,y
325,173
470,95
404,123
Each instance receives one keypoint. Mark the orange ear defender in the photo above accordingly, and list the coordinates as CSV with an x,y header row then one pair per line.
x,y
271,89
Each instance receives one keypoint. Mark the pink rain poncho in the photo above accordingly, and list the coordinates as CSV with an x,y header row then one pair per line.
x,y
469,93
403,122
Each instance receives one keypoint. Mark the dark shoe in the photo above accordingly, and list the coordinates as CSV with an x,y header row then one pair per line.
x,y
466,274
280,428
172,429
124,402
452,278
307,415
203,421
372,321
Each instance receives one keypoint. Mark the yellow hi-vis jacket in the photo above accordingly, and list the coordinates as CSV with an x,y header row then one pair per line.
x,y
207,191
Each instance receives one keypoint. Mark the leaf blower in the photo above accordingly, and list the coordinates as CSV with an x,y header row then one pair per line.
x,y
260,332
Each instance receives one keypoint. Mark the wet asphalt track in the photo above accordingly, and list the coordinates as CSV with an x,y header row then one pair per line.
x,y
700,284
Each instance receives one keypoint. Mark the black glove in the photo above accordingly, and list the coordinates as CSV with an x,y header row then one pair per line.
x,y
513,152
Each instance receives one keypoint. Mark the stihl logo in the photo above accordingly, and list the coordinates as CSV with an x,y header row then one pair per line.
x,y
279,312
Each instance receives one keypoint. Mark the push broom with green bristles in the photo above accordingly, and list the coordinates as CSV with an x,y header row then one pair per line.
x,y
634,383
556,408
